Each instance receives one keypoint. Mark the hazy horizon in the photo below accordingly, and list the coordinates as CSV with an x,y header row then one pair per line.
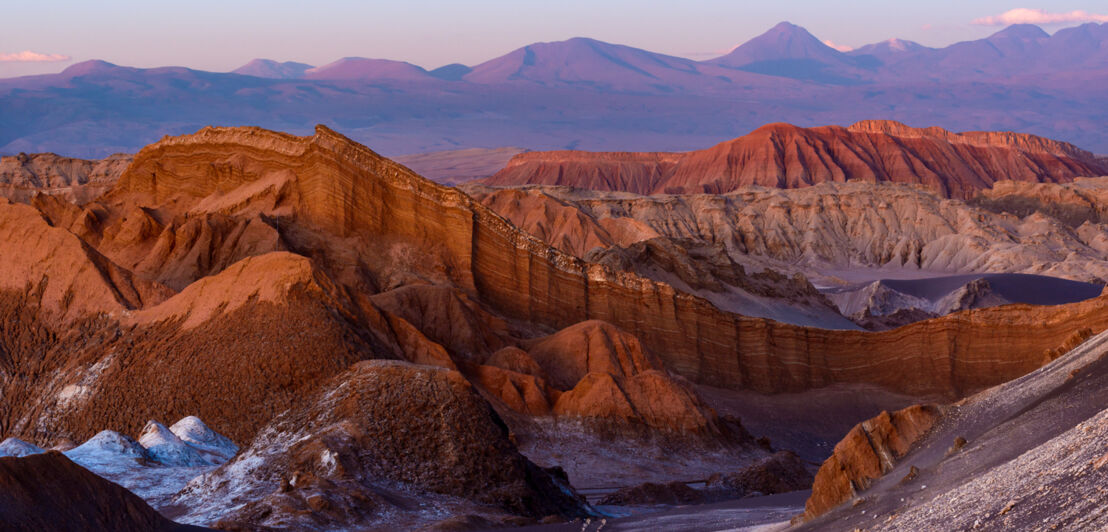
x,y
212,36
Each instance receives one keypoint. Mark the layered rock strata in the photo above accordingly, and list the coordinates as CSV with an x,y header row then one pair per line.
x,y
786,156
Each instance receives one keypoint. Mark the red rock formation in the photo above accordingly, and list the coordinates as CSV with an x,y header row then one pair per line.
x,y
49,492
407,231
626,171
786,156
598,373
867,452
379,263
433,233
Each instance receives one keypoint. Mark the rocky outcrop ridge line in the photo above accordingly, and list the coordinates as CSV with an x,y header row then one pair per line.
x,y
787,156
868,451
346,189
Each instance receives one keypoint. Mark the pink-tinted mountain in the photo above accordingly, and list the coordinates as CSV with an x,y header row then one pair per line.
x,y
268,68
785,156
361,68
584,94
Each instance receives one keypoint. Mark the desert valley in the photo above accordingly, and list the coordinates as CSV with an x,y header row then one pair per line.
x,y
809,326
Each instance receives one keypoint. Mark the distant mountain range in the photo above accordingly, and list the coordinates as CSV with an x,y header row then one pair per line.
x,y
586,94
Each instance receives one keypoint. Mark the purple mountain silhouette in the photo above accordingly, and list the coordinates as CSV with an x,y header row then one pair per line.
x,y
360,68
788,50
586,62
890,50
268,68
587,94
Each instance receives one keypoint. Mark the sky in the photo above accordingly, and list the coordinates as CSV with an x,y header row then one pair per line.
x,y
42,36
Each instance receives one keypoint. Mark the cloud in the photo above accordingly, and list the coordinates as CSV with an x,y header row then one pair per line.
x,y
1038,16
839,47
27,56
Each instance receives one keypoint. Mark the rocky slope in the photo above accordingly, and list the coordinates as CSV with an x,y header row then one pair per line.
x,y
456,166
1082,204
49,492
337,460
155,466
1029,453
299,281
76,180
785,156
833,233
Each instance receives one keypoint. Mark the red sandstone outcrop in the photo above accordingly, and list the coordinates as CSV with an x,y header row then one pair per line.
x,y
785,156
1025,454
409,232
375,262
69,278
49,492
868,451
603,373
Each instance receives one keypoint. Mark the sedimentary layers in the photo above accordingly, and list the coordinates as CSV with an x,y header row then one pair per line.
x,y
835,226
460,240
256,280
786,156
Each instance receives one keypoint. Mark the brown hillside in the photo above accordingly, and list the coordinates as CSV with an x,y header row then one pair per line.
x,y
786,156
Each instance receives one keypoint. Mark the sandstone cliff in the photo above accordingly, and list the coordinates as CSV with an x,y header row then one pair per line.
x,y
408,231
785,156
237,274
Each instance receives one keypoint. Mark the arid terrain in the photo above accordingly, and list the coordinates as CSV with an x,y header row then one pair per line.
x,y
785,156
679,342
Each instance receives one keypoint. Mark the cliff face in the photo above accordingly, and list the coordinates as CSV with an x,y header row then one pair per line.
x,y
458,239
786,156
1083,204
265,270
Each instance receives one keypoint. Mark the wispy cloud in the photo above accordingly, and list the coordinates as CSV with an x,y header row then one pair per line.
x,y
1038,16
27,56
839,47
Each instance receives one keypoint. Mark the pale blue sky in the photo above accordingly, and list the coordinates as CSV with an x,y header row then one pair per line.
x,y
223,34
